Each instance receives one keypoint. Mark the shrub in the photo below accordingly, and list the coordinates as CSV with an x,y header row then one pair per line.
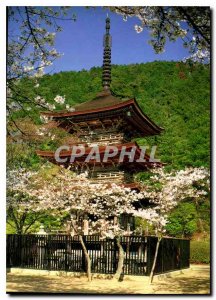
x,y
200,252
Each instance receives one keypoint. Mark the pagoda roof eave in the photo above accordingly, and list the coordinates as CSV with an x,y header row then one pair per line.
x,y
130,105
102,149
60,114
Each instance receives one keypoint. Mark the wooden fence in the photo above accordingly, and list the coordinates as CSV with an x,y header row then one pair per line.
x,y
64,253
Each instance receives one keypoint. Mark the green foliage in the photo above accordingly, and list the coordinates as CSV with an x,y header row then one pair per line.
x,y
203,210
10,229
54,139
143,227
183,220
49,222
200,252
22,155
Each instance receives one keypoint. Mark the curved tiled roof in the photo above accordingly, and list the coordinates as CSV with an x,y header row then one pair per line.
x,y
102,100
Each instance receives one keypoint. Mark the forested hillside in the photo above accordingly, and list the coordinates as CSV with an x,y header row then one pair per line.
x,y
175,95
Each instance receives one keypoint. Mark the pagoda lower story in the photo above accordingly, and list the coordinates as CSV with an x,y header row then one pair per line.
x,y
104,163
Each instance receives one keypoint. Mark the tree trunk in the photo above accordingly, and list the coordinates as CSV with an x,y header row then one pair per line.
x,y
155,260
120,260
87,258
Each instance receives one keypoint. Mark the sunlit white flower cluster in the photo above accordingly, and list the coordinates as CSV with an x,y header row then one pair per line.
x,y
30,51
199,56
59,99
138,28
168,189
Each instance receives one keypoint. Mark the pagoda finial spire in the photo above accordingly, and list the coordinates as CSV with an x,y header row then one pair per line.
x,y
107,43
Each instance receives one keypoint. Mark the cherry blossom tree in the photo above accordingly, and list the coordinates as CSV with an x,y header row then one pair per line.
x,y
56,196
165,191
191,24
111,201
82,198
75,195
23,210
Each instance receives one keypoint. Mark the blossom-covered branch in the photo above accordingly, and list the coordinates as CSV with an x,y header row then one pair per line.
x,y
191,24
30,49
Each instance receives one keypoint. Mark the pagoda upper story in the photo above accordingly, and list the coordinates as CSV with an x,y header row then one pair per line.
x,y
106,113
105,120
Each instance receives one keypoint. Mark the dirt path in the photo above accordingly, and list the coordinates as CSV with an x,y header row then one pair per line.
x,y
193,281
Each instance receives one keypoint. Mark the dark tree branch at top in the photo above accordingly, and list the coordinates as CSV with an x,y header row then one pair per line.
x,y
32,32
191,21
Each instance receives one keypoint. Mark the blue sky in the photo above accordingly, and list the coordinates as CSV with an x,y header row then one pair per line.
x,y
81,42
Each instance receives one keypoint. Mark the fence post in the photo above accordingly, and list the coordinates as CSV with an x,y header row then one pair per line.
x,y
162,254
66,252
48,244
181,243
21,249
148,245
188,261
12,251
115,255
18,246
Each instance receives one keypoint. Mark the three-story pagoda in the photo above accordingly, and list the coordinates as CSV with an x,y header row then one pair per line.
x,y
105,121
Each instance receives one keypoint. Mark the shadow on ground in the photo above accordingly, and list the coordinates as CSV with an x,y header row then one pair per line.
x,y
190,282
43,284
199,284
